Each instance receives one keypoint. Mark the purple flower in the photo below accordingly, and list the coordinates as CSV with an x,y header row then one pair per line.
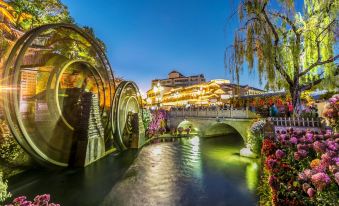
x,y
302,153
332,100
309,137
301,146
336,160
320,180
279,154
293,140
332,145
310,192
271,163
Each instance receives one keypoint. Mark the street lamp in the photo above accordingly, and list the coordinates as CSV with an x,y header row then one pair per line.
x,y
158,89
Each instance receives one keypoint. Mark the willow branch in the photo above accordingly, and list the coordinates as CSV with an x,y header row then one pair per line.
x,y
318,63
276,42
287,20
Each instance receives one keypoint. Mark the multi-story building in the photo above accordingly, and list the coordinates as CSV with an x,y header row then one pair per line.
x,y
176,79
216,91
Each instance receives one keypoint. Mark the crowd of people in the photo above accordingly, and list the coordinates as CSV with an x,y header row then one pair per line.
x,y
266,110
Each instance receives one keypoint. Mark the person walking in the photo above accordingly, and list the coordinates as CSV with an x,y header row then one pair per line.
x,y
290,109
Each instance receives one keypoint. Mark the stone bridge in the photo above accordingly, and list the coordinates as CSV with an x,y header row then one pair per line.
x,y
210,122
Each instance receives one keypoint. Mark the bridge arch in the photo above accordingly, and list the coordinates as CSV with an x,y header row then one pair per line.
x,y
221,128
206,126
195,127
48,69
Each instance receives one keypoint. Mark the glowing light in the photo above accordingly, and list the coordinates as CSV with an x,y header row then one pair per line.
x,y
157,151
195,141
246,152
252,176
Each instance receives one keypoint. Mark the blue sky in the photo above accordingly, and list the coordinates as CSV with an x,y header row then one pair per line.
x,y
146,39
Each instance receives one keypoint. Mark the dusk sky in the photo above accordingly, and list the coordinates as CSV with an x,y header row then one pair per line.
x,y
146,39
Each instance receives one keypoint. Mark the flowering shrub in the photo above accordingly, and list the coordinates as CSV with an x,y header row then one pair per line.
x,y
3,189
300,168
254,140
147,118
257,127
39,200
158,123
331,112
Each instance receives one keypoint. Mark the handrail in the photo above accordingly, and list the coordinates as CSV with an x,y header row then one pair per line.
x,y
296,122
213,113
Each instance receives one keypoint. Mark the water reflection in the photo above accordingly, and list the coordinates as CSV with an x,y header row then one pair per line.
x,y
197,171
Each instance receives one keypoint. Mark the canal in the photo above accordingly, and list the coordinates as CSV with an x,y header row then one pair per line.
x,y
196,171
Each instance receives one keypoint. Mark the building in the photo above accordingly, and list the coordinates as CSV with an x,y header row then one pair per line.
x,y
176,79
218,91
28,84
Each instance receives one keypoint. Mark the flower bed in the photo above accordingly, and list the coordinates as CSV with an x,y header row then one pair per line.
x,y
300,168
331,112
158,123
39,200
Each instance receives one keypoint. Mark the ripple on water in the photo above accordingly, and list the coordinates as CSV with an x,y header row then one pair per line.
x,y
191,172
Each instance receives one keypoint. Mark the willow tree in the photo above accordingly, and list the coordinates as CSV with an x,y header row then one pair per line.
x,y
290,49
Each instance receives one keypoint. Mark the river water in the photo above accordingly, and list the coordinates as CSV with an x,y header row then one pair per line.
x,y
195,171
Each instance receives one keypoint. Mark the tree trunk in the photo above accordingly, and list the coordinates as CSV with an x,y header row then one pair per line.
x,y
296,102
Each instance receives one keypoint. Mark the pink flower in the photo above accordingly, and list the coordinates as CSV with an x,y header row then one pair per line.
x,y
302,176
303,153
311,192
320,180
297,156
319,147
308,173
279,154
336,177
306,187
293,140
20,199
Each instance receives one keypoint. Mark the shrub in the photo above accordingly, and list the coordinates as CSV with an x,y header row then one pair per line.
x,y
301,168
3,189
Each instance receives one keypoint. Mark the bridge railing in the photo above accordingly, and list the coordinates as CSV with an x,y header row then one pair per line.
x,y
296,122
213,113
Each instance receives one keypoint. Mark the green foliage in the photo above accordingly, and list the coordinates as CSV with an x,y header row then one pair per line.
x,y
32,13
147,118
3,189
255,138
9,148
90,31
265,198
291,49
